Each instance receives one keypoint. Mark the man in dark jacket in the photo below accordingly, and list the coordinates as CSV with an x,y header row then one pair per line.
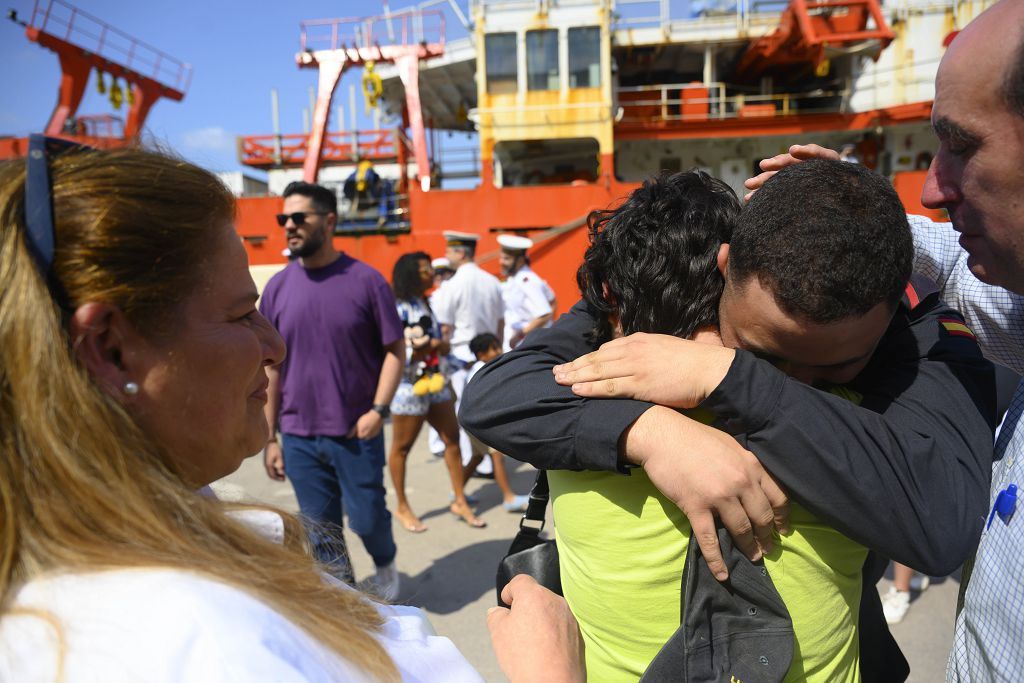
x,y
904,472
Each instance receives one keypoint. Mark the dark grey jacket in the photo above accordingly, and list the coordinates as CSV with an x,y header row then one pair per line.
x,y
905,473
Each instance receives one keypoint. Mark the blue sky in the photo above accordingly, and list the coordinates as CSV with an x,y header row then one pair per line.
x,y
239,50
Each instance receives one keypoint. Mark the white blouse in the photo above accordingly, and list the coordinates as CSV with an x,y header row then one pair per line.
x,y
167,625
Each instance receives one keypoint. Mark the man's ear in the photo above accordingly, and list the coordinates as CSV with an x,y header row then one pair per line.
x,y
723,258
98,334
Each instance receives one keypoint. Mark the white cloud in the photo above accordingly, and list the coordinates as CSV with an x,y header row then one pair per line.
x,y
211,138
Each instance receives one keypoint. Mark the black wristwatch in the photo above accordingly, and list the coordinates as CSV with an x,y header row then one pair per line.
x,y
382,409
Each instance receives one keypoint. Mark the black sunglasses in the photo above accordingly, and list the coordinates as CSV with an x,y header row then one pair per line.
x,y
298,218
39,231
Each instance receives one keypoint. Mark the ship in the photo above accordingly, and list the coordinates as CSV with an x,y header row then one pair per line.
x,y
524,116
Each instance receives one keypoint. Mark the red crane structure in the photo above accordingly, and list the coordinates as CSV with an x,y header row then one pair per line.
x,y
333,45
84,43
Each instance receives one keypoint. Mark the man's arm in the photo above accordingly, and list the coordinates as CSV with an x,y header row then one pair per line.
x,y
273,458
904,473
370,423
514,405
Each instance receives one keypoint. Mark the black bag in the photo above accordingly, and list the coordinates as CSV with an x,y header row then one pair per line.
x,y
529,553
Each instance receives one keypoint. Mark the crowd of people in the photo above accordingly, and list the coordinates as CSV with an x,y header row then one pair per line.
x,y
753,408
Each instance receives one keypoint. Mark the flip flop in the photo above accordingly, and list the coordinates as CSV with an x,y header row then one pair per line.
x,y
517,504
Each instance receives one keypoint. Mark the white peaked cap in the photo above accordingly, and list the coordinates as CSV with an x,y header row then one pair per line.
x,y
514,242
457,239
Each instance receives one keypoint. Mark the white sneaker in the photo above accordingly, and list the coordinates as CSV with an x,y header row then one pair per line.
x,y
920,583
386,582
895,605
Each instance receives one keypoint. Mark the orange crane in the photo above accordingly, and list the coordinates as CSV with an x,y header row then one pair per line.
x,y
83,44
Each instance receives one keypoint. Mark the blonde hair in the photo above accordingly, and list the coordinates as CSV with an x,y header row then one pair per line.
x,y
82,488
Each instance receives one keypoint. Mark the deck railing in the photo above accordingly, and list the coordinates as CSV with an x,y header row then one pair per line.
x,y
266,151
700,102
65,21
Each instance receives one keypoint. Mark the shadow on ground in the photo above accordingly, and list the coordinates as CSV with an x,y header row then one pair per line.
x,y
455,580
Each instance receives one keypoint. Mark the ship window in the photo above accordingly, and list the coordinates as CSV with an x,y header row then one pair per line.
x,y
542,60
500,56
585,57
548,162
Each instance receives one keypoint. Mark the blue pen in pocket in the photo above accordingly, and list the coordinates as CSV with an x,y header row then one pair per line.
x,y
1004,506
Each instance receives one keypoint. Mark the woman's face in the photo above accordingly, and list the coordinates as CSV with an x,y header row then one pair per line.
x,y
426,275
202,389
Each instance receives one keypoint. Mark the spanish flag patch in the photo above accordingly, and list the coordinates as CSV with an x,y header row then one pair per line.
x,y
956,327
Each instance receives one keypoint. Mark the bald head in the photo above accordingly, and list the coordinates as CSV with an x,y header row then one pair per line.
x,y
978,170
995,40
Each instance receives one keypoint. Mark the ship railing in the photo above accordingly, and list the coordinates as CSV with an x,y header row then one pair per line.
x,y
458,163
66,22
700,102
339,147
702,15
387,216
405,27
601,113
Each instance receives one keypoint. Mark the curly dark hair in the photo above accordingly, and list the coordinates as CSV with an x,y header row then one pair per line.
x,y
829,239
405,276
653,260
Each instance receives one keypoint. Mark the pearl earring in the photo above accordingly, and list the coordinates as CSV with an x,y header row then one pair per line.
x,y
131,388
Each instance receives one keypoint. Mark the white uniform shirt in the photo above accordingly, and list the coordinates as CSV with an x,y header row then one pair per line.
x,y
526,297
471,303
173,626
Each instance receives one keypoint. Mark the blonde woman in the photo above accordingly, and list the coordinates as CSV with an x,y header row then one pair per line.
x,y
132,374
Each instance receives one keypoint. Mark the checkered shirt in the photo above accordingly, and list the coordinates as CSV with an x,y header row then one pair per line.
x,y
988,640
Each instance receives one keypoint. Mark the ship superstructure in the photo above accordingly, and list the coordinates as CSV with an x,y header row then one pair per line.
x,y
574,102
523,116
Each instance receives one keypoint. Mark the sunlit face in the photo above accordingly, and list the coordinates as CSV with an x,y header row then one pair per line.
x,y
442,274
489,354
977,175
511,261
308,239
204,386
426,274
832,353
457,255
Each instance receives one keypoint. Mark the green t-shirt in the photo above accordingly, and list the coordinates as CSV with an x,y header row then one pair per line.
x,y
622,546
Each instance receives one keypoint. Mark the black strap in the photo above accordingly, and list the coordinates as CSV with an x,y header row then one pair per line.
x,y
537,507
533,521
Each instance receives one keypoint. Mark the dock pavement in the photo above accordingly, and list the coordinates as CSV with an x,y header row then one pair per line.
x,y
449,570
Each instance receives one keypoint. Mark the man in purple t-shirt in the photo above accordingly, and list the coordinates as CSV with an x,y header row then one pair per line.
x,y
330,396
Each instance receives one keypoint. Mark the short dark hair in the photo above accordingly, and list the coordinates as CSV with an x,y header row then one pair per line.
x,y
483,342
1013,81
405,276
323,199
829,239
657,255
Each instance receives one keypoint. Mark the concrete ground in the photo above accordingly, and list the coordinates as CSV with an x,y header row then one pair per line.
x,y
449,569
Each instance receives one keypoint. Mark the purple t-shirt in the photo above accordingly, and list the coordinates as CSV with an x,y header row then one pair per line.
x,y
336,321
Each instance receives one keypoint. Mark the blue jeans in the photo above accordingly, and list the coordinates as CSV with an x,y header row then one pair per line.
x,y
324,470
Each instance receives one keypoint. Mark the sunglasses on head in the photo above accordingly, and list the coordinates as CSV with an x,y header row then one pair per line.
x,y
39,230
298,218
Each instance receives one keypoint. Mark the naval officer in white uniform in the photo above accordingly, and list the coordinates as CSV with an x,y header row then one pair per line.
x,y
529,301
467,305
